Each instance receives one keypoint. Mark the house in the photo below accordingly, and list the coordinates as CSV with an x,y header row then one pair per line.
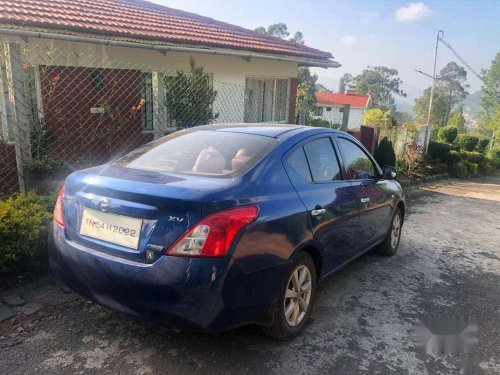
x,y
94,75
329,107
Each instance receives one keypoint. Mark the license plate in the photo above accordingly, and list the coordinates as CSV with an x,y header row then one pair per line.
x,y
117,229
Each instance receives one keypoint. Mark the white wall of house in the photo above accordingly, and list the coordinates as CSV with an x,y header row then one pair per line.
x,y
334,116
229,73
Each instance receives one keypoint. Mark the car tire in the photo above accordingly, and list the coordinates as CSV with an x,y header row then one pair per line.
x,y
294,306
391,241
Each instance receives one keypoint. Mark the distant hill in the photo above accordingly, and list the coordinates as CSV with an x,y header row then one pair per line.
x,y
472,103
404,105
472,106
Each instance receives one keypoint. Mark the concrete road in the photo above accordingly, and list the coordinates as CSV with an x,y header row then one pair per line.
x,y
448,265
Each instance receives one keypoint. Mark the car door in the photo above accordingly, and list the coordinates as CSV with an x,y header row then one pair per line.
x,y
373,193
331,202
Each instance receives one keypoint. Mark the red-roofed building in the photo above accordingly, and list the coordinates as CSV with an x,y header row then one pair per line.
x,y
95,74
142,33
331,106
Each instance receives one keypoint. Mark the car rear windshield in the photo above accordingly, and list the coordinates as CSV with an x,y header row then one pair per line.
x,y
209,153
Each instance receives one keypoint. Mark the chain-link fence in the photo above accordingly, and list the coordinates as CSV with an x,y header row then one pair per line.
x,y
61,111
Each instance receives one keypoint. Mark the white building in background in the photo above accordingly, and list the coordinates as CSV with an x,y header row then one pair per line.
x,y
330,107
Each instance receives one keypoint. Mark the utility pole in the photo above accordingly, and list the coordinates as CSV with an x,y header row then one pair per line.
x,y
434,78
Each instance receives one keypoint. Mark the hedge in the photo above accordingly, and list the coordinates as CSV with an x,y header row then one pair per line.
x,y
24,223
467,142
438,150
447,134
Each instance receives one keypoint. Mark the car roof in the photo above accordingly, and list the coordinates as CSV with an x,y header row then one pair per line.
x,y
264,129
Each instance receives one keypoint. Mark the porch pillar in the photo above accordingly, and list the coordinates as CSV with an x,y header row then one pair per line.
x,y
18,105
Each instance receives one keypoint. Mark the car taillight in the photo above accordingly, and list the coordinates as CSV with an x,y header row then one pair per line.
x,y
212,236
58,209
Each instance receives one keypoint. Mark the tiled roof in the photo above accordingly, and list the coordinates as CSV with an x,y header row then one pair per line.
x,y
331,98
142,20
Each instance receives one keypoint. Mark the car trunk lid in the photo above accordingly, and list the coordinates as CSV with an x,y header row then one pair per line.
x,y
131,213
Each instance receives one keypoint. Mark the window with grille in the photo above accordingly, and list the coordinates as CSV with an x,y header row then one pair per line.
x,y
266,100
318,111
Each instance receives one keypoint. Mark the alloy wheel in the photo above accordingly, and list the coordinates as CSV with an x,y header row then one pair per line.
x,y
298,295
395,231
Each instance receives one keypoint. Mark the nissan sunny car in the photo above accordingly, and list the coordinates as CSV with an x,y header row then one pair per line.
x,y
219,226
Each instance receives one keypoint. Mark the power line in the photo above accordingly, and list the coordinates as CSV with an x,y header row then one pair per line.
x,y
460,58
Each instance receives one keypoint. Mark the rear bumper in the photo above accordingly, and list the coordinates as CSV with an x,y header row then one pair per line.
x,y
184,293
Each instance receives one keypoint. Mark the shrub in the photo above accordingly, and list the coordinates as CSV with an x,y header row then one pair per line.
x,y
319,123
438,150
474,157
190,97
483,144
494,156
472,168
24,220
488,167
458,170
447,134
384,154
467,142
453,158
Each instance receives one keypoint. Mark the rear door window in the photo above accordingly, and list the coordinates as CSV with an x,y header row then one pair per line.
x,y
298,161
322,160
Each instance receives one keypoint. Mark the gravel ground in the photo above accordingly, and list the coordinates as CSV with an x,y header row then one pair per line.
x,y
364,321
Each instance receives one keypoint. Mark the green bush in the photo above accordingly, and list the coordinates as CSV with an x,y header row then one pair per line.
x,y
447,134
384,154
453,158
467,142
474,157
472,169
319,123
438,150
494,156
483,144
24,221
458,170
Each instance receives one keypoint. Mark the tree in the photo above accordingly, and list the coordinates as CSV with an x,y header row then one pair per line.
x,y
345,80
306,98
378,117
298,38
381,83
439,107
490,102
453,82
321,88
457,120
278,30
491,78
190,97
449,91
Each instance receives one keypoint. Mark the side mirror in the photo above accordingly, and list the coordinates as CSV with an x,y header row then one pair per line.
x,y
389,173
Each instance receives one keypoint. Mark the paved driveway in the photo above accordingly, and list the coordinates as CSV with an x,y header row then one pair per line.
x,y
448,265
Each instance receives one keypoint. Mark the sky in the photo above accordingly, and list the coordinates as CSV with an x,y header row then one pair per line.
x,y
396,34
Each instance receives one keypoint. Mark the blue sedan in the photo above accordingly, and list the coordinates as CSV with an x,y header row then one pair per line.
x,y
219,226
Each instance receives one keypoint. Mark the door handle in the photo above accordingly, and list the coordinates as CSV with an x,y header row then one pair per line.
x,y
317,212
365,200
